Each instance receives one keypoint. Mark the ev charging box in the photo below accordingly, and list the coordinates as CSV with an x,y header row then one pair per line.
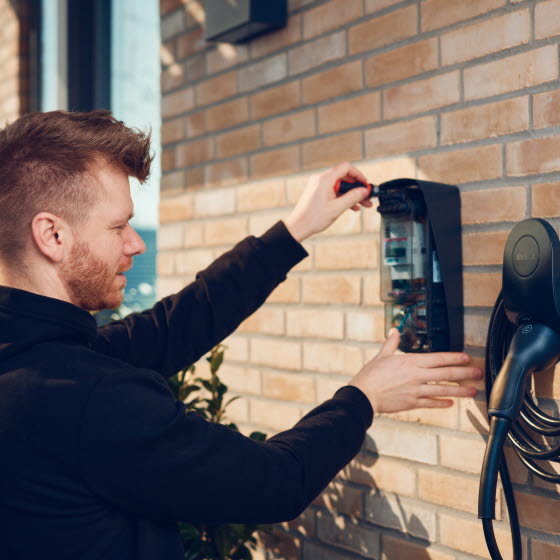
x,y
421,264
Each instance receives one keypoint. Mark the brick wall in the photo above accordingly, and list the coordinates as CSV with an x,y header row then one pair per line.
x,y
14,59
457,91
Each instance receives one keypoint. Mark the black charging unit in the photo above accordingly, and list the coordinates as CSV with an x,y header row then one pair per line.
x,y
523,338
421,262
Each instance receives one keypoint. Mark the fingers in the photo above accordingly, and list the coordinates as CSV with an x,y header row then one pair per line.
x,y
351,199
345,170
433,403
391,344
442,359
454,374
431,391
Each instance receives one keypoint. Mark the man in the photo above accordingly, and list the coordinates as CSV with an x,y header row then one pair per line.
x,y
98,459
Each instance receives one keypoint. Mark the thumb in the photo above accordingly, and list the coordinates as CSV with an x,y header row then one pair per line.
x,y
351,198
391,343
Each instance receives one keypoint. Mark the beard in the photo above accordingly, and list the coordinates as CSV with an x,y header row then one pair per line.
x,y
91,283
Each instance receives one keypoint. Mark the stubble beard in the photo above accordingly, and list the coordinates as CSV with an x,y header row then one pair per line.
x,y
91,283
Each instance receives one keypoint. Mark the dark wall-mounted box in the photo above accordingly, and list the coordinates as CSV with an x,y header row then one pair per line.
x,y
238,21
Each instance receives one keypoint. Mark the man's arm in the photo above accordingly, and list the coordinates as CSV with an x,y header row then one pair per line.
x,y
180,329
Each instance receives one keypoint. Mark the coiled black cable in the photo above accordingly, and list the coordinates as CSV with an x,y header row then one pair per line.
x,y
531,418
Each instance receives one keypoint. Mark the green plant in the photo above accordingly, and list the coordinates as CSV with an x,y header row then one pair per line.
x,y
205,541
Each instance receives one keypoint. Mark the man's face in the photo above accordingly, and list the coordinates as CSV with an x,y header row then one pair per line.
x,y
103,249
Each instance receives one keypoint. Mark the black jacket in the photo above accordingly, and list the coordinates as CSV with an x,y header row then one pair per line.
x,y
99,461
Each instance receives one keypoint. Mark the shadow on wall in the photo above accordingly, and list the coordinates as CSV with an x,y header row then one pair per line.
x,y
353,520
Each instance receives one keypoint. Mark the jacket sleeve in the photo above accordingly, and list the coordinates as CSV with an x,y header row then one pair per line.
x,y
142,453
181,328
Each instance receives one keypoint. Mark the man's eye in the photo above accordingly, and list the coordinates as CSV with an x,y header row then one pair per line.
x,y
121,227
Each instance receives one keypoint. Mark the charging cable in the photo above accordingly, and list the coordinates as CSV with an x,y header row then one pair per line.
x,y
513,352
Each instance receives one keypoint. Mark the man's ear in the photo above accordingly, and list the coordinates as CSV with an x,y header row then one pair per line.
x,y
51,235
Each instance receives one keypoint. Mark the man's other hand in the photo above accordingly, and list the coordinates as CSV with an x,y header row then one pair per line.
x,y
319,206
394,382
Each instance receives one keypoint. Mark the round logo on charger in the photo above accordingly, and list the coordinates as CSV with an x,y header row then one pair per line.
x,y
527,329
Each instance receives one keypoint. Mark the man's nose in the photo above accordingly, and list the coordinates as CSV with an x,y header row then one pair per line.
x,y
135,244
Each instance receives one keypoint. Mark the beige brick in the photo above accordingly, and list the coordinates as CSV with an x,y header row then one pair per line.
x,y
272,415
331,289
193,260
466,534
216,89
287,292
172,24
266,320
173,77
271,42
340,498
347,223
326,388
190,43
237,412
476,329
195,124
178,102
350,113
439,13
193,153
239,141
546,200
168,159
289,128
342,533
481,289
275,100
536,156
168,285
412,445
263,73
341,80
194,234
376,5
402,514
453,456
401,63
384,170
227,114
506,204
382,473
215,203
226,173
170,236
546,109
332,357
346,254
485,121
453,491
272,163
543,550
173,131
489,36
225,56
442,417
371,291
367,326
484,248
493,78
226,231
330,16
547,19
407,550
175,181
463,166
421,95
259,222
165,264
317,323
241,379
317,52
373,33
237,349
175,209
333,149
276,353
288,387
263,194
418,134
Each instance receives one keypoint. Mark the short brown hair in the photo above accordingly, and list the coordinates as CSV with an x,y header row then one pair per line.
x,y
46,164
